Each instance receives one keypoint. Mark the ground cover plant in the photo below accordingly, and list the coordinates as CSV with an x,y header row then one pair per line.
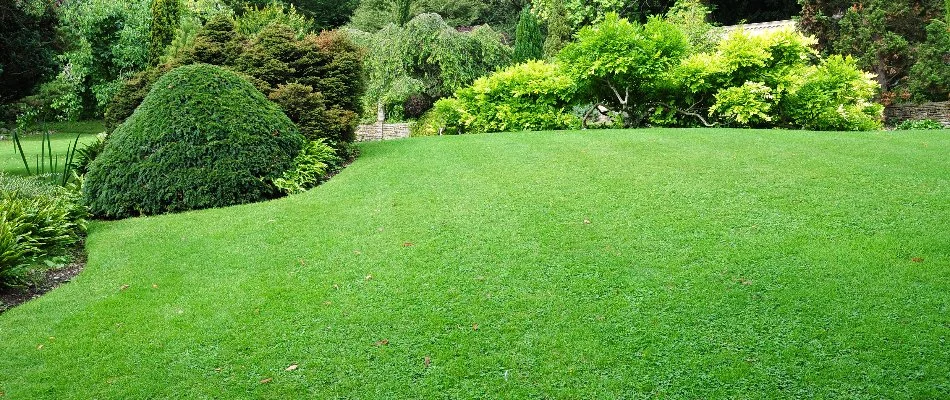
x,y
601,264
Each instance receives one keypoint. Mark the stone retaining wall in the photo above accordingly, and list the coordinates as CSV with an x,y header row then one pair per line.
x,y
939,112
374,132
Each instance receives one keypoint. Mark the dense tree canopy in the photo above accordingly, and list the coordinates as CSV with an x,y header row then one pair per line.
x,y
27,47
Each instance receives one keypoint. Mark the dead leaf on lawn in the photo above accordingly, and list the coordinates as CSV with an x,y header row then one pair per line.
x,y
407,244
327,303
266,381
357,252
586,222
292,367
217,369
123,287
369,277
745,282
383,342
917,260
39,347
336,287
154,286
426,361
474,327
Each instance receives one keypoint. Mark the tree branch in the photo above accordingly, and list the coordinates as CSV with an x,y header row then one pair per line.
x,y
686,113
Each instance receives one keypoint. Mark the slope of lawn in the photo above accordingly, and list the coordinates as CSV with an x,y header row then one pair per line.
x,y
609,264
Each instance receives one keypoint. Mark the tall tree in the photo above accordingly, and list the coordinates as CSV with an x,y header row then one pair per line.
x,y
529,40
166,15
559,32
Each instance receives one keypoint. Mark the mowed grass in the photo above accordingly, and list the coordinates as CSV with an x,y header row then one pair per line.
x,y
63,136
606,264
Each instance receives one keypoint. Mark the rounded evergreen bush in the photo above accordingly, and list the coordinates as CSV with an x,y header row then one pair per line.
x,y
203,137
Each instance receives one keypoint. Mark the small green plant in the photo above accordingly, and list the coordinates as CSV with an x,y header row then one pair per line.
x,y
314,163
919,125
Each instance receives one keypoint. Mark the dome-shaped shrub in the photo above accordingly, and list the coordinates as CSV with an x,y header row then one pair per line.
x,y
203,137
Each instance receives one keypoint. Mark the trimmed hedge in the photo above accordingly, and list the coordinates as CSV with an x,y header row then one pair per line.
x,y
203,137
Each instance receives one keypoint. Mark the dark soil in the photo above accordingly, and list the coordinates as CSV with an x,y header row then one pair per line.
x,y
47,281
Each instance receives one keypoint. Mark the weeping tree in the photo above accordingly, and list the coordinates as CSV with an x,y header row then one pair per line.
x,y
529,40
410,67
620,63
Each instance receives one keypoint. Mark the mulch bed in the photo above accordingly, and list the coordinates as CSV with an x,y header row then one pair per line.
x,y
10,298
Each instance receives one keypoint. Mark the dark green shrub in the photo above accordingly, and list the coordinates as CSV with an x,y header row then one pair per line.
x,y
529,40
37,220
919,125
317,80
204,137
929,78
131,94
217,43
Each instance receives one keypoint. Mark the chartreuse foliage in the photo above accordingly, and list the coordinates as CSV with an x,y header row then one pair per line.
x,y
683,264
643,75
204,137
620,63
530,96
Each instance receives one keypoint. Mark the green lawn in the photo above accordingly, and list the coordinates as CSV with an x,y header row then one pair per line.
x,y
609,264
64,135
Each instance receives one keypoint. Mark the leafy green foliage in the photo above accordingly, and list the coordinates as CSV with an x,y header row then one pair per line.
x,y
374,15
692,17
27,51
427,57
37,220
919,125
311,167
445,118
110,40
883,36
836,95
929,78
166,15
530,96
621,62
204,137
529,40
87,153
131,94
746,105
